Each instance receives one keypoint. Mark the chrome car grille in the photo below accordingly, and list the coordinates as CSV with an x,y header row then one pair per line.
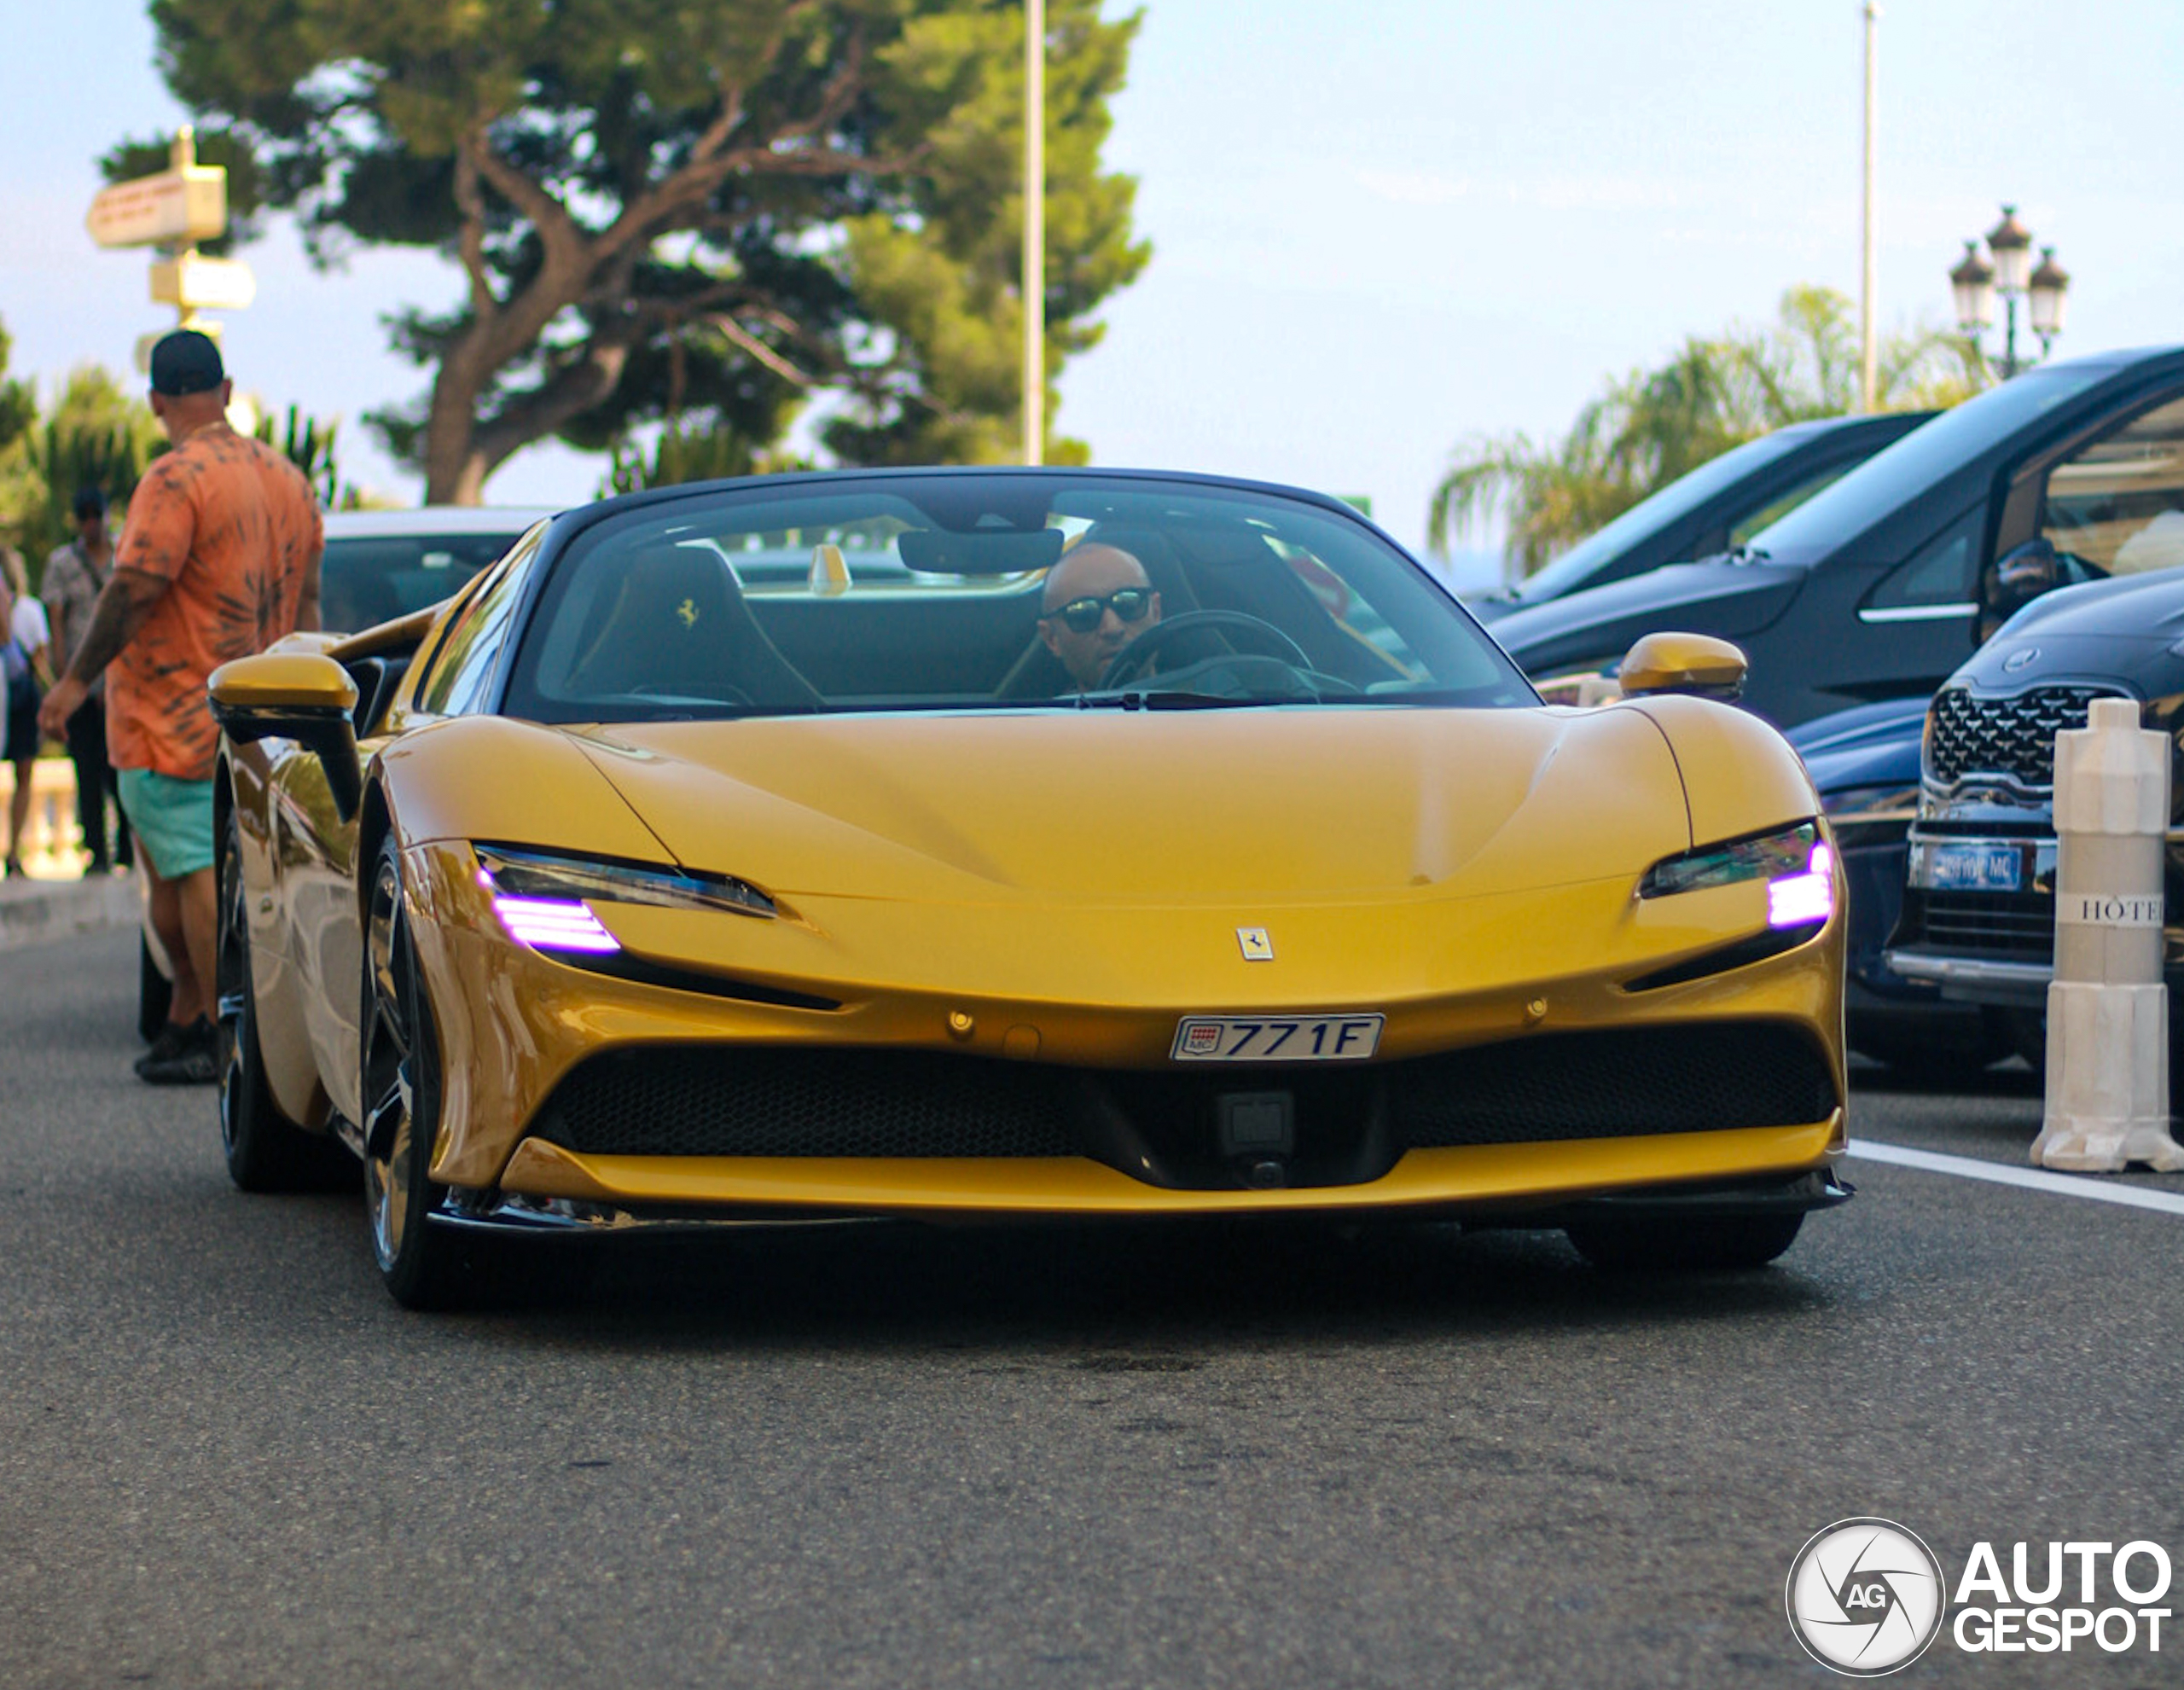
x,y
2012,927
2013,738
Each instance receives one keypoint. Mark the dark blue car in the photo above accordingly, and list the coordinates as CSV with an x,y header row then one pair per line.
x,y
1720,504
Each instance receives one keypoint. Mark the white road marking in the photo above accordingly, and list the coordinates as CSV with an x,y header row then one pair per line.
x,y
2031,1179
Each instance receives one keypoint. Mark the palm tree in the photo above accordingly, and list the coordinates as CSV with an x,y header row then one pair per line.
x,y
1651,427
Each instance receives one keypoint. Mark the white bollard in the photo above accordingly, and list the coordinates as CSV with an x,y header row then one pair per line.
x,y
2107,1008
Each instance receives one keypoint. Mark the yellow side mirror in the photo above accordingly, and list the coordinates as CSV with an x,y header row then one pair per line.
x,y
1683,663
293,695
281,681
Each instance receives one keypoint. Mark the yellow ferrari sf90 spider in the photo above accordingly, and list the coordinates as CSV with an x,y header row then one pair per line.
x,y
1012,843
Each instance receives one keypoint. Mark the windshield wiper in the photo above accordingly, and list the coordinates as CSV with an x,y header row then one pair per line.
x,y
1172,700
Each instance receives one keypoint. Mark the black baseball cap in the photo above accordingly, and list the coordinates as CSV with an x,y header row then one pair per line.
x,y
186,362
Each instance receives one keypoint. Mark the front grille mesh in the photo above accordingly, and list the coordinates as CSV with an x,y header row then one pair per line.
x,y
767,1101
774,1101
1616,1085
2011,737
2019,927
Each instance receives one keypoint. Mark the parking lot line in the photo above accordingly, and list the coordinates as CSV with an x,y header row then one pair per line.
x,y
2032,1179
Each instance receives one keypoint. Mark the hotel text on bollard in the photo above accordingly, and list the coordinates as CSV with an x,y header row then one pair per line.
x,y
2107,1008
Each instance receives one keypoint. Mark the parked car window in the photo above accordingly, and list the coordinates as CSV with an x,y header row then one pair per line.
x,y
1647,517
2118,504
1945,570
465,662
1786,501
1908,470
368,579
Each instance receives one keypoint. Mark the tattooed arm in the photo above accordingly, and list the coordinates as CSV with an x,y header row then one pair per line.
x,y
129,598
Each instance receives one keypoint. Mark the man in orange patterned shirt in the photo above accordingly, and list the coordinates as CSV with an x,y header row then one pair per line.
x,y
218,558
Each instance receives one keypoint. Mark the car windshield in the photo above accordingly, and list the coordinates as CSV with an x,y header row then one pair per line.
x,y
1889,480
364,581
1681,496
959,590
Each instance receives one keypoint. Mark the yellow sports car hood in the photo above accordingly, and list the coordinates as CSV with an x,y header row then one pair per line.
x,y
1156,808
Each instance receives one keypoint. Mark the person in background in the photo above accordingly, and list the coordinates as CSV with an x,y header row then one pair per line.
x,y
75,575
218,558
23,662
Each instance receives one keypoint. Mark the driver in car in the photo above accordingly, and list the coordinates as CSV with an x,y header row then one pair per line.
x,y
1097,599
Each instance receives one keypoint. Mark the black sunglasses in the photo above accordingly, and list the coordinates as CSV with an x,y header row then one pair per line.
x,y
1081,616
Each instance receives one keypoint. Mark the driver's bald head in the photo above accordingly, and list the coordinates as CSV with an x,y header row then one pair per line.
x,y
1091,569
1089,579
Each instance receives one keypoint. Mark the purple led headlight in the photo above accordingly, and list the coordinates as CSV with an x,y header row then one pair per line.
x,y
1801,900
553,924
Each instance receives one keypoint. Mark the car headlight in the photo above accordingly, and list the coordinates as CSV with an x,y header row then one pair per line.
x,y
1796,862
544,900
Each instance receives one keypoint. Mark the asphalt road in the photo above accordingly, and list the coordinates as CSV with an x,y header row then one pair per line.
x,y
1198,1456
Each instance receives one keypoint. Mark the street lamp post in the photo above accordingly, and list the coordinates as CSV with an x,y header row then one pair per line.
x,y
1035,231
2047,292
2008,270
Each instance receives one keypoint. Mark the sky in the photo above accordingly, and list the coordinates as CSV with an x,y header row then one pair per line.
x,y
1379,231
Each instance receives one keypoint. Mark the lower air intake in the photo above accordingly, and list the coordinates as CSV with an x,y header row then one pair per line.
x,y
762,1102
1617,1085
1353,1121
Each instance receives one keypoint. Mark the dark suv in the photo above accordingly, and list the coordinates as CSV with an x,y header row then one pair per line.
x,y
1882,585
1979,918
1720,505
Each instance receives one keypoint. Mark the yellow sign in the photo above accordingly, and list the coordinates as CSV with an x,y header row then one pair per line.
x,y
176,206
194,283
182,205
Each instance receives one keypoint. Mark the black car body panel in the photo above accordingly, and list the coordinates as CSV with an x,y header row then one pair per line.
x,y
1708,510
1986,801
1873,589
1732,599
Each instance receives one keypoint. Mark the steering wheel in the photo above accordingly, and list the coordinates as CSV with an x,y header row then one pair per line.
x,y
1135,658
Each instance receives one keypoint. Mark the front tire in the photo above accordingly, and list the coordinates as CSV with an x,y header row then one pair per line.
x,y
422,1265
1704,1243
265,1150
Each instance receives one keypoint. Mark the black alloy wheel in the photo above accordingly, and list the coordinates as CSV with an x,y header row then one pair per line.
x,y
265,1150
1702,1243
423,1265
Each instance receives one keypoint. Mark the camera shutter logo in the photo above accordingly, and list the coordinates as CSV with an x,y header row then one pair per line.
x,y
1865,1597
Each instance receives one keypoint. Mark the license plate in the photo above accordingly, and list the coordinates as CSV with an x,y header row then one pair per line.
x,y
1276,1038
1970,867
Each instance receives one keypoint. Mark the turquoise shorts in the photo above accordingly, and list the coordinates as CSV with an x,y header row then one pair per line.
x,y
173,819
